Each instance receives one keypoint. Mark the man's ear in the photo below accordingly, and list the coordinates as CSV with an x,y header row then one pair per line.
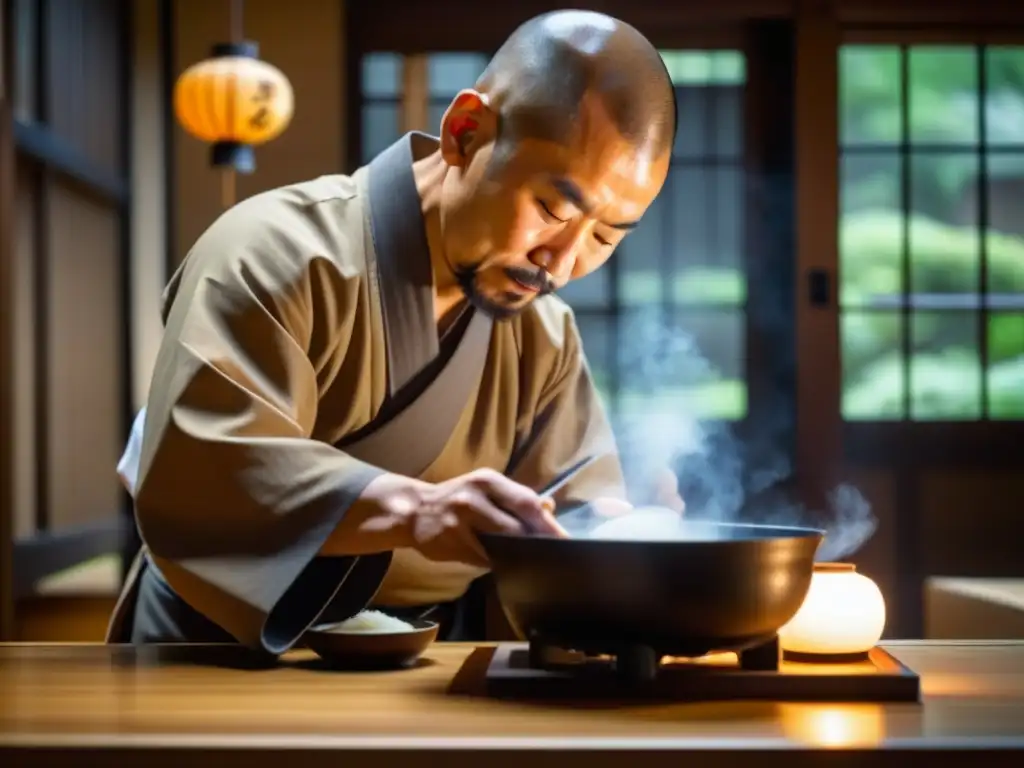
x,y
467,124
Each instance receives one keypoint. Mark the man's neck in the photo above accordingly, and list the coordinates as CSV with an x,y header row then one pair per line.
x,y
429,173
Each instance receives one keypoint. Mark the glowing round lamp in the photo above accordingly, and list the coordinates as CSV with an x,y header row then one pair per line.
x,y
235,102
842,615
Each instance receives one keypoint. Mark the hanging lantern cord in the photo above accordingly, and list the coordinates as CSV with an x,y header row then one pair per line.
x,y
236,10
227,186
236,29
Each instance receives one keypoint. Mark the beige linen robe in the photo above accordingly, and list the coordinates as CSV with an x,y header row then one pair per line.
x,y
297,328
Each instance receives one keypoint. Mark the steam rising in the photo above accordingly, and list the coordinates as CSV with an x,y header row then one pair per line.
x,y
722,478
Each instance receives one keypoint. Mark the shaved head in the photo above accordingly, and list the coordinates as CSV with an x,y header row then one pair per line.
x,y
552,158
540,79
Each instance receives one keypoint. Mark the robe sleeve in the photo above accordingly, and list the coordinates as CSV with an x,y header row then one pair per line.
x,y
234,498
570,423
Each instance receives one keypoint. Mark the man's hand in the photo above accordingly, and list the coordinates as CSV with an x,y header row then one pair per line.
x,y
442,520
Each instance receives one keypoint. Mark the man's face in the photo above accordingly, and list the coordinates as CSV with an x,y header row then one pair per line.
x,y
521,218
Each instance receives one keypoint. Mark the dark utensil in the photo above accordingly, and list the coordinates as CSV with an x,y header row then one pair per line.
x,y
561,480
371,650
713,587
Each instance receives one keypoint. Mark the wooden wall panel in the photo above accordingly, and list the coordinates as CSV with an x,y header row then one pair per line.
x,y
86,372
971,523
7,226
82,59
149,197
24,380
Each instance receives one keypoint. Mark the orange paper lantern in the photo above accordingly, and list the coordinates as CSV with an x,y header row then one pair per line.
x,y
235,102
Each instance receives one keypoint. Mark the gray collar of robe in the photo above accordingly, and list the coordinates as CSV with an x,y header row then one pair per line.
x,y
411,440
403,259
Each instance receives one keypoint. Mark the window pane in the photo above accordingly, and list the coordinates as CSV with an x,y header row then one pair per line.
x,y
944,235
380,128
382,75
874,383
691,222
943,92
596,335
26,21
692,117
869,95
692,366
449,73
944,232
727,121
709,100
710,122
945,370
871,230
436,111
1006,225
707,233
1005,377
1004,97
640,256
590,292
705,67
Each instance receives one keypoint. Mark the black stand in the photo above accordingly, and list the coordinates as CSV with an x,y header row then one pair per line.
x,y
762,658
641,663
542,671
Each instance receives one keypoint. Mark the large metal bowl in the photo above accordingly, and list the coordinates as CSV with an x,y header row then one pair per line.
x,y
713,587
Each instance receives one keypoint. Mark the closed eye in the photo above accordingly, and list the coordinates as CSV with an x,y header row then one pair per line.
x,y
547,213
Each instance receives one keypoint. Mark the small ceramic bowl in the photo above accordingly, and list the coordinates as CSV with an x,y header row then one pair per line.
x,y
371,650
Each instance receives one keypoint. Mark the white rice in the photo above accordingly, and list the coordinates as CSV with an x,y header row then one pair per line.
x,y
370,623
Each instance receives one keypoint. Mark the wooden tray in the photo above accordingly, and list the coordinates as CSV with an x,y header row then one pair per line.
x,y
879,678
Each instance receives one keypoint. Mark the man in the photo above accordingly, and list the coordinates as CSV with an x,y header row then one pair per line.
x,y
359,373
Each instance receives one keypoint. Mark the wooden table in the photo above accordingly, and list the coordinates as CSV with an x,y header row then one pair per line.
x,y
196,705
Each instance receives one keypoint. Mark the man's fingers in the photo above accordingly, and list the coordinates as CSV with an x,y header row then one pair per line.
x,y
519,500
549,519
485,515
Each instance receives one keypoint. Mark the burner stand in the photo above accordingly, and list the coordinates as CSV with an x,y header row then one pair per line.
x,y
513,673
639,663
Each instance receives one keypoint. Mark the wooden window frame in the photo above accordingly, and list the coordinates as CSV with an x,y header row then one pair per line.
x,y
933,444
7,217
905,450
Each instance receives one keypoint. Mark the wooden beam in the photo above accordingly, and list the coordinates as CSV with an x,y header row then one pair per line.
x,y
411,26
415,94
922,13
819,367
56,154
6,330
917,445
